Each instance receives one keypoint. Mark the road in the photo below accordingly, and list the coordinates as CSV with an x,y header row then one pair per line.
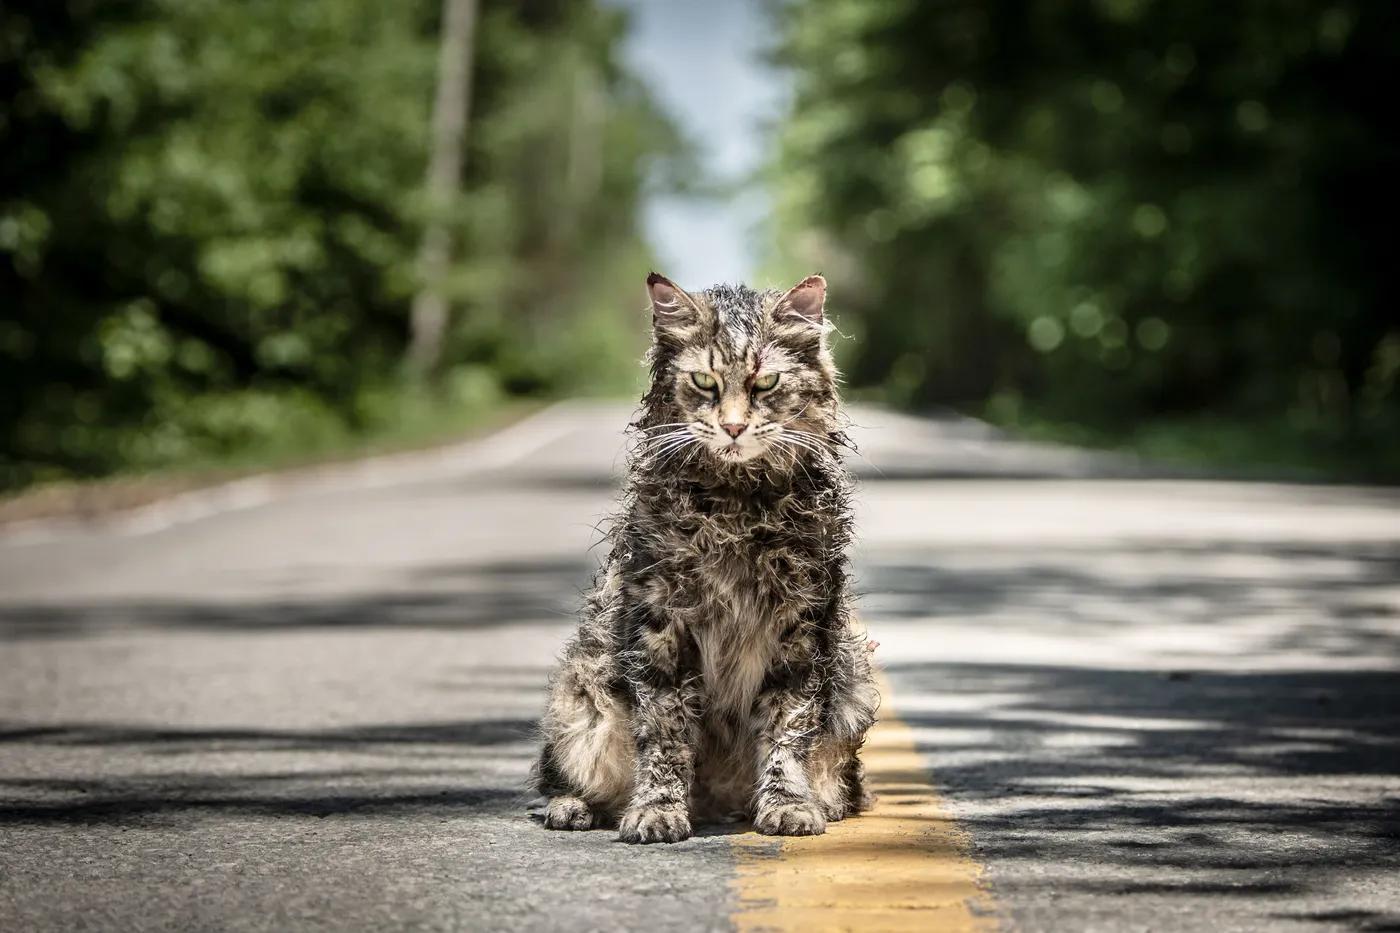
x,y
1147,703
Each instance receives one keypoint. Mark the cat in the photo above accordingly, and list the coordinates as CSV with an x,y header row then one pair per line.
x,y
717,673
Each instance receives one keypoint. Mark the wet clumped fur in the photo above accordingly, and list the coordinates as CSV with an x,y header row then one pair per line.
x,y
717,673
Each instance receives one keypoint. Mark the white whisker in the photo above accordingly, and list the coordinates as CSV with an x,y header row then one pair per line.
x,y
663,449
666,438
675,450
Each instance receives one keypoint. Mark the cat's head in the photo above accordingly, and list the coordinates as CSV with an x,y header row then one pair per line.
x,y
740,376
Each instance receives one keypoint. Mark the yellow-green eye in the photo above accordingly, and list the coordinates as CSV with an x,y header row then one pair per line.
x,y
764,383
703,380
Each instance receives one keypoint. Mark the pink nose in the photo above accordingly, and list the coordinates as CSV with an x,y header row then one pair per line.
x,y
734,430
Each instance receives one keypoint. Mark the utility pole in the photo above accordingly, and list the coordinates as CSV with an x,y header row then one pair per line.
x,y
451,110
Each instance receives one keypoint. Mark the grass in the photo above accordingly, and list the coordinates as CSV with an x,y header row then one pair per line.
x,y
423,427
1232,447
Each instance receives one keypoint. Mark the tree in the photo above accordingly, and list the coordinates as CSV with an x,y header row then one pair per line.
x,y
451,113
211,211
1107,212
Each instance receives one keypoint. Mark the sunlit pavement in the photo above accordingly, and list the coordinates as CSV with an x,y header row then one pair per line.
x,y
1152,704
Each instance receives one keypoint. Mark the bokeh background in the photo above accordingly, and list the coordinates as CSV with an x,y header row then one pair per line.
x,y
1149,225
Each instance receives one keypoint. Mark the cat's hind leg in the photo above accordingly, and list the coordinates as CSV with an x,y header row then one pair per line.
x,y
588,763
828,768
834,768
858,790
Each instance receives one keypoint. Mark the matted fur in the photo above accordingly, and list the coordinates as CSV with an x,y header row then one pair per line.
x,y
717,672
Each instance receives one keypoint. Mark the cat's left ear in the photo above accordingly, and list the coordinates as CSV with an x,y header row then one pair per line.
x,y
804,300
674,314
669,303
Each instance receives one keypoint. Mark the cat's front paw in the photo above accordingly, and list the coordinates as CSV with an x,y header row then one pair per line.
x,y
790,819
568,813
654,824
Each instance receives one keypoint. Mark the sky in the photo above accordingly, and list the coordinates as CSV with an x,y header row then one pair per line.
x,y
702,59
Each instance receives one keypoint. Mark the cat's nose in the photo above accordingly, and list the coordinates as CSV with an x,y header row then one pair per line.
x,y
734,430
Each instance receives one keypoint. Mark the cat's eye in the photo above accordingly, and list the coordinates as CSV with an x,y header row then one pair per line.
x,y
764,383
703,380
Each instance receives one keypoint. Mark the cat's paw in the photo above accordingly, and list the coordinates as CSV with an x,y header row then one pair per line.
x,y
790,819
654,824
568,813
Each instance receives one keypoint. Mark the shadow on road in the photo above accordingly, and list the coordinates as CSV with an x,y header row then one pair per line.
x,y
185,741
168,770
1105,782
1126,783
1337,600
167,806
178,775
449,596
1265,779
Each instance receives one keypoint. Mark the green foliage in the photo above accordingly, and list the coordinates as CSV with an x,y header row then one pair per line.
x,y
1107,212
210,214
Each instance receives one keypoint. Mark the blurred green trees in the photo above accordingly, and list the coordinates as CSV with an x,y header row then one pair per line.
x,y
1117,213
209,213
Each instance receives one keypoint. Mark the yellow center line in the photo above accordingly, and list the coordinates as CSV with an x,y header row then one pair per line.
x,y
900,867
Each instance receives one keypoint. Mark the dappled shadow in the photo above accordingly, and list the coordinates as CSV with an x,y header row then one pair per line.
x,y
1339,599
170,775
1084,723
165,808
446,596
1130,783
1115,785
1362,921
155,740
171,768
1257,783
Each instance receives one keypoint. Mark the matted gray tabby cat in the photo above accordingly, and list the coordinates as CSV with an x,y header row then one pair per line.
x,y
717,673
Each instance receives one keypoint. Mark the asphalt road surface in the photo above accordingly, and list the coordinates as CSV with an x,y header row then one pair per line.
x,y
1150,704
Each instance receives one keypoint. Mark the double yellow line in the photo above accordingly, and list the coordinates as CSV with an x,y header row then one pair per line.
x,y
901,867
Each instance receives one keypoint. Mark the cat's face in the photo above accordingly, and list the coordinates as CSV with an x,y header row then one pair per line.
x,y
749,371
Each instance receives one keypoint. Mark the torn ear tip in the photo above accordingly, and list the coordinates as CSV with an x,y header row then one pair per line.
x,y
654,278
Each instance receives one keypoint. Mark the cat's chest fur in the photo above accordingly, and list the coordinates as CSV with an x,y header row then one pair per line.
x,y
743,571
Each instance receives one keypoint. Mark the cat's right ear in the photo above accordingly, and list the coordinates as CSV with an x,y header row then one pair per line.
x,y
671,307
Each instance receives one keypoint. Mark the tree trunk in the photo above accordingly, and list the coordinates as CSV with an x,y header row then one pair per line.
x,y
451,110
